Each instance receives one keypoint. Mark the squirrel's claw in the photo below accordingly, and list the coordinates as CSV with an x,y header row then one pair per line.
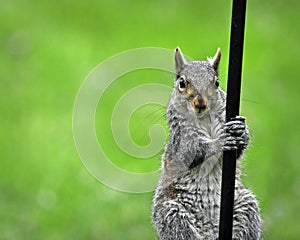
x,y
236,126
234,135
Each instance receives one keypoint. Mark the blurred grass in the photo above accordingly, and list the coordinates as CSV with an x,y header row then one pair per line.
x,y
47,49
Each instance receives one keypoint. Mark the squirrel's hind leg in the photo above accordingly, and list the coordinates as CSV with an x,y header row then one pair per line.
x,y
173,221
246,219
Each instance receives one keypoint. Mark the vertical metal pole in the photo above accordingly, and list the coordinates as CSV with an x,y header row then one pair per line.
x,y
232,110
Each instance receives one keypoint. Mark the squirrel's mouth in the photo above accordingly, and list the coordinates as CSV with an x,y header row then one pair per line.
x,y
199,104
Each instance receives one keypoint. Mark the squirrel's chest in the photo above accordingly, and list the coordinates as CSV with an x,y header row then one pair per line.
x,y
211,127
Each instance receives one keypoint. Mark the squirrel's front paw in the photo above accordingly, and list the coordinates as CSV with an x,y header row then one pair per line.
x,y
235,134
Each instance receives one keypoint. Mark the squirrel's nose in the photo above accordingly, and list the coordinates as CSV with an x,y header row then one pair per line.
x,y
199,103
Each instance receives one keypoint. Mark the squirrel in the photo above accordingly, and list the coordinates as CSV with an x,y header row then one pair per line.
x,y
186,203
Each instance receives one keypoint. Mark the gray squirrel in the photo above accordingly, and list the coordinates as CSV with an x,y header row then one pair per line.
x,y
186,203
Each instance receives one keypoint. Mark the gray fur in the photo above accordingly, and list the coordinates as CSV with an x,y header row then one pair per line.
x,y
186,204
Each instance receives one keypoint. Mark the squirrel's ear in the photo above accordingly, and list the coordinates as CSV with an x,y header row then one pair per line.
x,y
179,60
214,62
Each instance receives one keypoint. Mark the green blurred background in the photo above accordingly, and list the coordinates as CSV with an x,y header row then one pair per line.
x,y
48,48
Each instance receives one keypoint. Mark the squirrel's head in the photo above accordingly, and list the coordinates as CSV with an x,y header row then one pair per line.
x,y
196,82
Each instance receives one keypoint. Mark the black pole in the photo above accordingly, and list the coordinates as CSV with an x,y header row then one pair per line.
x,y
232,110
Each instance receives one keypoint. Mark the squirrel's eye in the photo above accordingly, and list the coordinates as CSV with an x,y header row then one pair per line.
x,y
217,81
182,84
